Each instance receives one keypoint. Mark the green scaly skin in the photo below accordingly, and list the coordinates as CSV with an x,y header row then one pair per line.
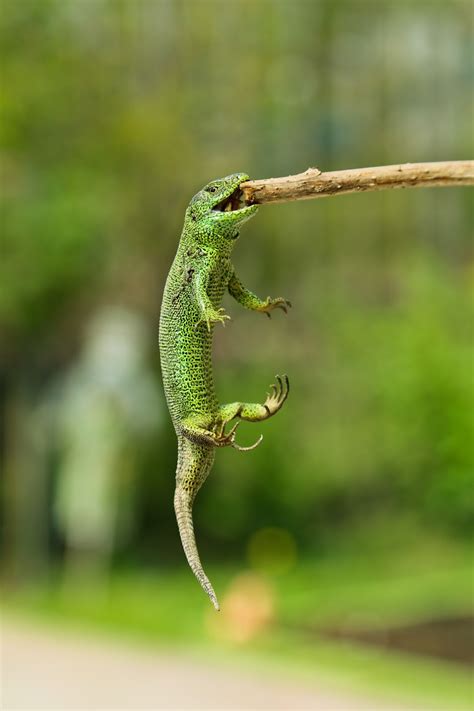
x,y
200,274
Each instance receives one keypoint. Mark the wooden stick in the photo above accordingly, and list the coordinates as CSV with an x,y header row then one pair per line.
x,y
315,184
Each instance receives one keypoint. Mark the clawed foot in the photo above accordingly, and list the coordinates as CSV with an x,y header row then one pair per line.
x,y
223,439
277,395
211,317
278,303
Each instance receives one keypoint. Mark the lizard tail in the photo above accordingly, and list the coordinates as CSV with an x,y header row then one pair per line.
x,y
189,478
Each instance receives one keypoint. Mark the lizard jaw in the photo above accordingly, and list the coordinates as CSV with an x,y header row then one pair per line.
x,y
234,208
232,218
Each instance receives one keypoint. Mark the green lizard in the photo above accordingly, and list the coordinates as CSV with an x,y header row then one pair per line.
x,y
200,274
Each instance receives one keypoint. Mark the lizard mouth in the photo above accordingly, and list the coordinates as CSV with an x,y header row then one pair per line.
x,y
231,203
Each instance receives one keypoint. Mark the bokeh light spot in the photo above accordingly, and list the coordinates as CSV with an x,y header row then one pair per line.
x,y
247,610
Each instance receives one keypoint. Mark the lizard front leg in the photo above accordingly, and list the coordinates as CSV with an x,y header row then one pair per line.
x,y
208,313
250,301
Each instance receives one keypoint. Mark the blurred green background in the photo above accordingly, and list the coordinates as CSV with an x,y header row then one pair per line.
x,y
354,517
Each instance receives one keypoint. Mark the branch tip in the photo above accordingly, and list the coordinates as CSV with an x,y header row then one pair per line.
x,y
313,183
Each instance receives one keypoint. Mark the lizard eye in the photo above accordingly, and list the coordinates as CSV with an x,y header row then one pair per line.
x,y
210,189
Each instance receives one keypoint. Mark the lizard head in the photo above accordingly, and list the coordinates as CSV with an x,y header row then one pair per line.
x,y
220,207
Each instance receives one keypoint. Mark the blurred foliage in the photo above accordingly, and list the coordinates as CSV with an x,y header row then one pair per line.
x,y
113,116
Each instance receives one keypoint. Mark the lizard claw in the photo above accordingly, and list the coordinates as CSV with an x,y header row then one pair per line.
x,y
218,316
278,395
223,439
247,449
278,303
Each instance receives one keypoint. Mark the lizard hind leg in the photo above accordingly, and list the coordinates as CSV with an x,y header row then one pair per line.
x,y
226,414
254,412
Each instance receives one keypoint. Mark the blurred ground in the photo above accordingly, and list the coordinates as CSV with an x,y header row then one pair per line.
x,y
77,672
327,624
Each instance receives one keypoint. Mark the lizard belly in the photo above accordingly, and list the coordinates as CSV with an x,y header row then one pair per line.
x,y
186,364
188,381
186,345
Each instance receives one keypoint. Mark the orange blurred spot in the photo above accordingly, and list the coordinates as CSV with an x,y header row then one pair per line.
x,y
247,609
